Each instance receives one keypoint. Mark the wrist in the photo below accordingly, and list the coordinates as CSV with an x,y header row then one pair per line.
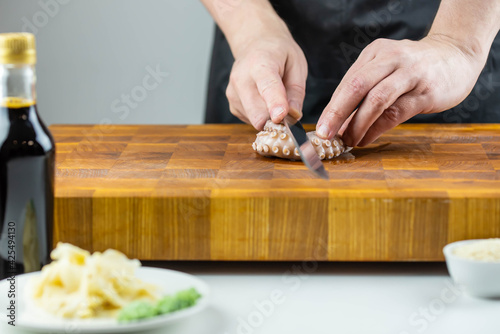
x,y
472,48
251,21
469,25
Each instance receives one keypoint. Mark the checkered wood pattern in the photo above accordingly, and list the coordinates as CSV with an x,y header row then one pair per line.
x,y
199,192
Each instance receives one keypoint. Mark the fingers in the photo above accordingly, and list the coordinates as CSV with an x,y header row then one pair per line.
x,y
236,112
378,99
235,105
296,94
346,123
295,84
266,94
349,94
253,105
254,101
364,58
272,90
402,110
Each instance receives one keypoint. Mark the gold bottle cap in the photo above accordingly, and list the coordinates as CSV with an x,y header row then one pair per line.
x,y
17,48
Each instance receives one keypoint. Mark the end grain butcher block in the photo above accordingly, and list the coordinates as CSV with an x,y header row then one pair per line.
x,y
201,193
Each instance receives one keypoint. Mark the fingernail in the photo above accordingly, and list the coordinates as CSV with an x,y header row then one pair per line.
x,y
277,112
295,105
295,110
323,131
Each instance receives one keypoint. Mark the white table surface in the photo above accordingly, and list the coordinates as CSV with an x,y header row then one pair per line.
x,y
396,298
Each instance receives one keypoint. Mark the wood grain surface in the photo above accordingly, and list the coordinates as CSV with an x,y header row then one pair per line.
x,y
199,192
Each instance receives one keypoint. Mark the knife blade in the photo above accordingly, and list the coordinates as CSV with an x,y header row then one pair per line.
x,y
305,147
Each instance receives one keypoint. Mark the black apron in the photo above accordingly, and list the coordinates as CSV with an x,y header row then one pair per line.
x,y
332,34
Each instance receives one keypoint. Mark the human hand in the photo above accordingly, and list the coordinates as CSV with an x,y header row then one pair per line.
x,y
268,77
393,81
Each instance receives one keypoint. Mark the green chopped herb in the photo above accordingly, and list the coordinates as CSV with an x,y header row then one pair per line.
x,y
181,300
142,310
136,311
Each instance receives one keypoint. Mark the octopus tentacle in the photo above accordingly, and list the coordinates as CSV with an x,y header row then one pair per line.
x,y
274,141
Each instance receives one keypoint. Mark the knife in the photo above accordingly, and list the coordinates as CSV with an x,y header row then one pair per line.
x,y
305,147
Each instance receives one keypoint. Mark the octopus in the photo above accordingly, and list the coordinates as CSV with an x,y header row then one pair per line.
x,y
274,141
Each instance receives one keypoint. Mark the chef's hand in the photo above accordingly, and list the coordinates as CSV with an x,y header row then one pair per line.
x,y
268,79
396,80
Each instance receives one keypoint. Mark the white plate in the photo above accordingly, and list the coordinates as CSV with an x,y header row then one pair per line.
x,y
170,281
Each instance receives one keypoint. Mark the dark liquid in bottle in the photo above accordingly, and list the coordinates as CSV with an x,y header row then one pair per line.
x,y
27,153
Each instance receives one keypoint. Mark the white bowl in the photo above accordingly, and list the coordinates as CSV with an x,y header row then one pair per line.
x,y
479,278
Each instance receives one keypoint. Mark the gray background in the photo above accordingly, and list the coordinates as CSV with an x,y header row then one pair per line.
x,y
90,52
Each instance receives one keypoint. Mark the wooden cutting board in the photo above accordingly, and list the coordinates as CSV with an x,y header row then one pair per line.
x,y
199,192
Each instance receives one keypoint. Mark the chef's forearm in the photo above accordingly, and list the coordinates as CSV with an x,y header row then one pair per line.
x,y
243,20
471,24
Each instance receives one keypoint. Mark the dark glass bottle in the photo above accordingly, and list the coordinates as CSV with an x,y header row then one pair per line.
x,y
27,162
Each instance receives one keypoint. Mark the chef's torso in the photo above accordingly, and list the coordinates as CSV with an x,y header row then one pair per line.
x,y
332,33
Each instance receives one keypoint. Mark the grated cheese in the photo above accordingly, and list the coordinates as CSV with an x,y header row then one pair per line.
x,y
487,250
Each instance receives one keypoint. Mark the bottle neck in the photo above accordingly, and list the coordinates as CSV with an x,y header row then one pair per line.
x,y
17,85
